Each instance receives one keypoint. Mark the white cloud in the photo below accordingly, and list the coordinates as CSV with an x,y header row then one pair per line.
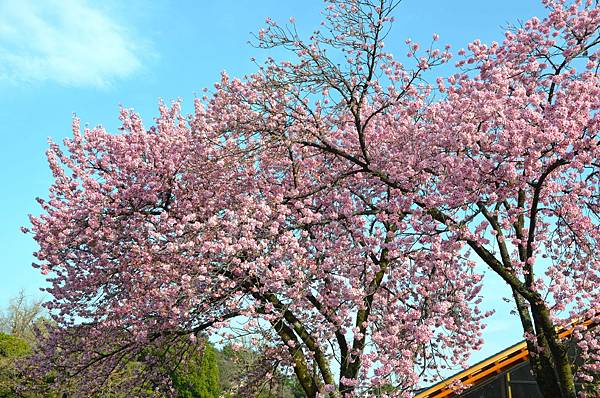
x,y
65,41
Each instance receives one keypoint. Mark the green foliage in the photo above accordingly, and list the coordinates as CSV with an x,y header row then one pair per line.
x,y
199,376
15,382
12,346
11,349
18,324
242,372
206,373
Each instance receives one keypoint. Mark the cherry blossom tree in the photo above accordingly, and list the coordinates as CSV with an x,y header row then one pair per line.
x,y
155,236
335,206
506,161
525,144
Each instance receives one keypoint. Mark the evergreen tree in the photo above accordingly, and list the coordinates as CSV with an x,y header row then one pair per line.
x,y
198,377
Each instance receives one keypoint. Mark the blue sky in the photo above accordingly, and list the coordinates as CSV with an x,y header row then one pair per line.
x,y
63,57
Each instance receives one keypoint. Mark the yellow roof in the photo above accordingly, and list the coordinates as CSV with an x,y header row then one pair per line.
x,y
487,368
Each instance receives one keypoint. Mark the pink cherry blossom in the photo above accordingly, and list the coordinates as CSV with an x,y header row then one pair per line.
x,y
338,211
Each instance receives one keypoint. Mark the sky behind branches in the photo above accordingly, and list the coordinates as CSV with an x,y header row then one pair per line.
x,y
65,57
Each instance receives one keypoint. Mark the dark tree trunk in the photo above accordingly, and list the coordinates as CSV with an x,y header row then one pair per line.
x,y
556,368
540,362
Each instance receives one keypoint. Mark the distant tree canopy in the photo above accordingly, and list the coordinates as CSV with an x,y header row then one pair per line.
x,y
203,372
21,317
17,337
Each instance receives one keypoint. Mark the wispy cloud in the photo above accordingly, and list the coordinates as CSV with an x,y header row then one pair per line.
x,y
66,41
